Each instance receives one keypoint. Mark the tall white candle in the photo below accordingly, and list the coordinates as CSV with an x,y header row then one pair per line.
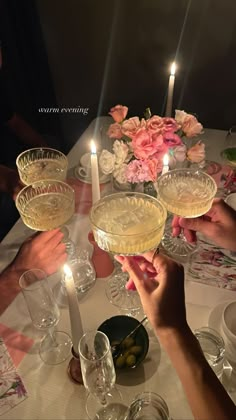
x,y
165,167
168,112
75,318
94,173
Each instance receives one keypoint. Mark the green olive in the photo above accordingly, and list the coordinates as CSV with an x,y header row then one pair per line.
x,y
120,362
128,342
136,350
130,360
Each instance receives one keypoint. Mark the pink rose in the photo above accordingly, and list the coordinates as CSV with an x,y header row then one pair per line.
x,y
143,170
145,144
132,125
191,127
196,153
114,131
171,139
118,113
170,125
154,167
155,124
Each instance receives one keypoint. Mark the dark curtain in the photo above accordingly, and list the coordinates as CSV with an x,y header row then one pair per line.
x,y
25,67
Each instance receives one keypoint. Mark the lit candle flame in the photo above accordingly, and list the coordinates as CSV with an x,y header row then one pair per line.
x,y
93,147
166,160
67,270
172,69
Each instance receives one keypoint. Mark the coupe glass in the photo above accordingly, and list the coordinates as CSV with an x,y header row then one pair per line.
x,y
228,155
185,193
42,163
127,223
99,375
46,205
55,347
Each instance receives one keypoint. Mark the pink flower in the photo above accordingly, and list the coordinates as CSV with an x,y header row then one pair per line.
x,y
118,113
132,125
188,123
155,124
196,153
143,170
170,125
114,131
171,139
146,145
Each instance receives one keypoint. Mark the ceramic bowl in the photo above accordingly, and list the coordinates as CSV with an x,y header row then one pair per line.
x,y
118,327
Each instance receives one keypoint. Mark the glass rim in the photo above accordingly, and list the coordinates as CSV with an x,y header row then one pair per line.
x,y
150,198
39,149
191,171
25,288
99,333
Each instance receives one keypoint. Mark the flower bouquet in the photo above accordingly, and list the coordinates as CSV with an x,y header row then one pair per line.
x,y
140,145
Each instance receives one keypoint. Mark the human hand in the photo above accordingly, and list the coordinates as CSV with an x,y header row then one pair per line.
x,y
43,250
218,224
161,288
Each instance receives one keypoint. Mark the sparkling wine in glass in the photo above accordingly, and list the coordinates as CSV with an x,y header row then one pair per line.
x,y
41,163
185,193
55,346
99,375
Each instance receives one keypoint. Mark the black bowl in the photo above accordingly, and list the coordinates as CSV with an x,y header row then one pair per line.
x,y
118,327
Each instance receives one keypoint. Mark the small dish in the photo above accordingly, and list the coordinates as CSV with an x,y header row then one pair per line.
x,y
103,179
118,327
229,321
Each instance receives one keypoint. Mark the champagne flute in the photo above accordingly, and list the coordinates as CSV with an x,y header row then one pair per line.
x,y
99,375
55,346
185,193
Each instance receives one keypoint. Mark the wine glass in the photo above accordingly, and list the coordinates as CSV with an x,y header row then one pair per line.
x,y
55,347
41,163
228,155
98,374
185,193
127,223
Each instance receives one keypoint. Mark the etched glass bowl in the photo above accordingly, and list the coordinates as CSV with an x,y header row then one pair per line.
x,y
41,163
128,223
186,192
46,205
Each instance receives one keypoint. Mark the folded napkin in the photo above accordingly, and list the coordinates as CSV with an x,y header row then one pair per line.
x,y
17,344
12,390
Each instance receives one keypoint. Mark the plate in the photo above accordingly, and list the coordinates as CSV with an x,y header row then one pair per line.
x,y
103,179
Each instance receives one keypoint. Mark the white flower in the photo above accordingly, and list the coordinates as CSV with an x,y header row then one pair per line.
x,y
120,174
180,116
121,152
107,162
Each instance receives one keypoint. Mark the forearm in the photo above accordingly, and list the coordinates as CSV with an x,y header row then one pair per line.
x,y
9,286
206,395
25,132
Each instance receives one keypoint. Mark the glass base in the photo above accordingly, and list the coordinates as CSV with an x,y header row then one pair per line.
x,y
127,301
55,352
113,410
177,246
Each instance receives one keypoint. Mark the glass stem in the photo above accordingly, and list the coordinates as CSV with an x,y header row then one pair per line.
x,y
51,333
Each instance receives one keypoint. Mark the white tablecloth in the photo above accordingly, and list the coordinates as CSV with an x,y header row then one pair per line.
x,y
51,393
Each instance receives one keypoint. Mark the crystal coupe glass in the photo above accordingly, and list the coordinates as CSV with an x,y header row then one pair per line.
x,y
127,223
185,193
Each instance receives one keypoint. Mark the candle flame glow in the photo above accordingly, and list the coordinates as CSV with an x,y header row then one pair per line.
x,y
172,69
93,147
67,270
166,160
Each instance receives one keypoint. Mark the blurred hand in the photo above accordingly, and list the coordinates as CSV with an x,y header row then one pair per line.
x,y
161,288
218,224
43,250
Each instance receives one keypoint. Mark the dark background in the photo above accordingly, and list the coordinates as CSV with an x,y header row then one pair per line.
x,y
98,53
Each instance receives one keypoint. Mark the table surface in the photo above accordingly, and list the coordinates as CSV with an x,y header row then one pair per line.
x,y
51,393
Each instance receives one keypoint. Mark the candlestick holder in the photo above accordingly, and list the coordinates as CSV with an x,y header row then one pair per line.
x,y
74,368
101,260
